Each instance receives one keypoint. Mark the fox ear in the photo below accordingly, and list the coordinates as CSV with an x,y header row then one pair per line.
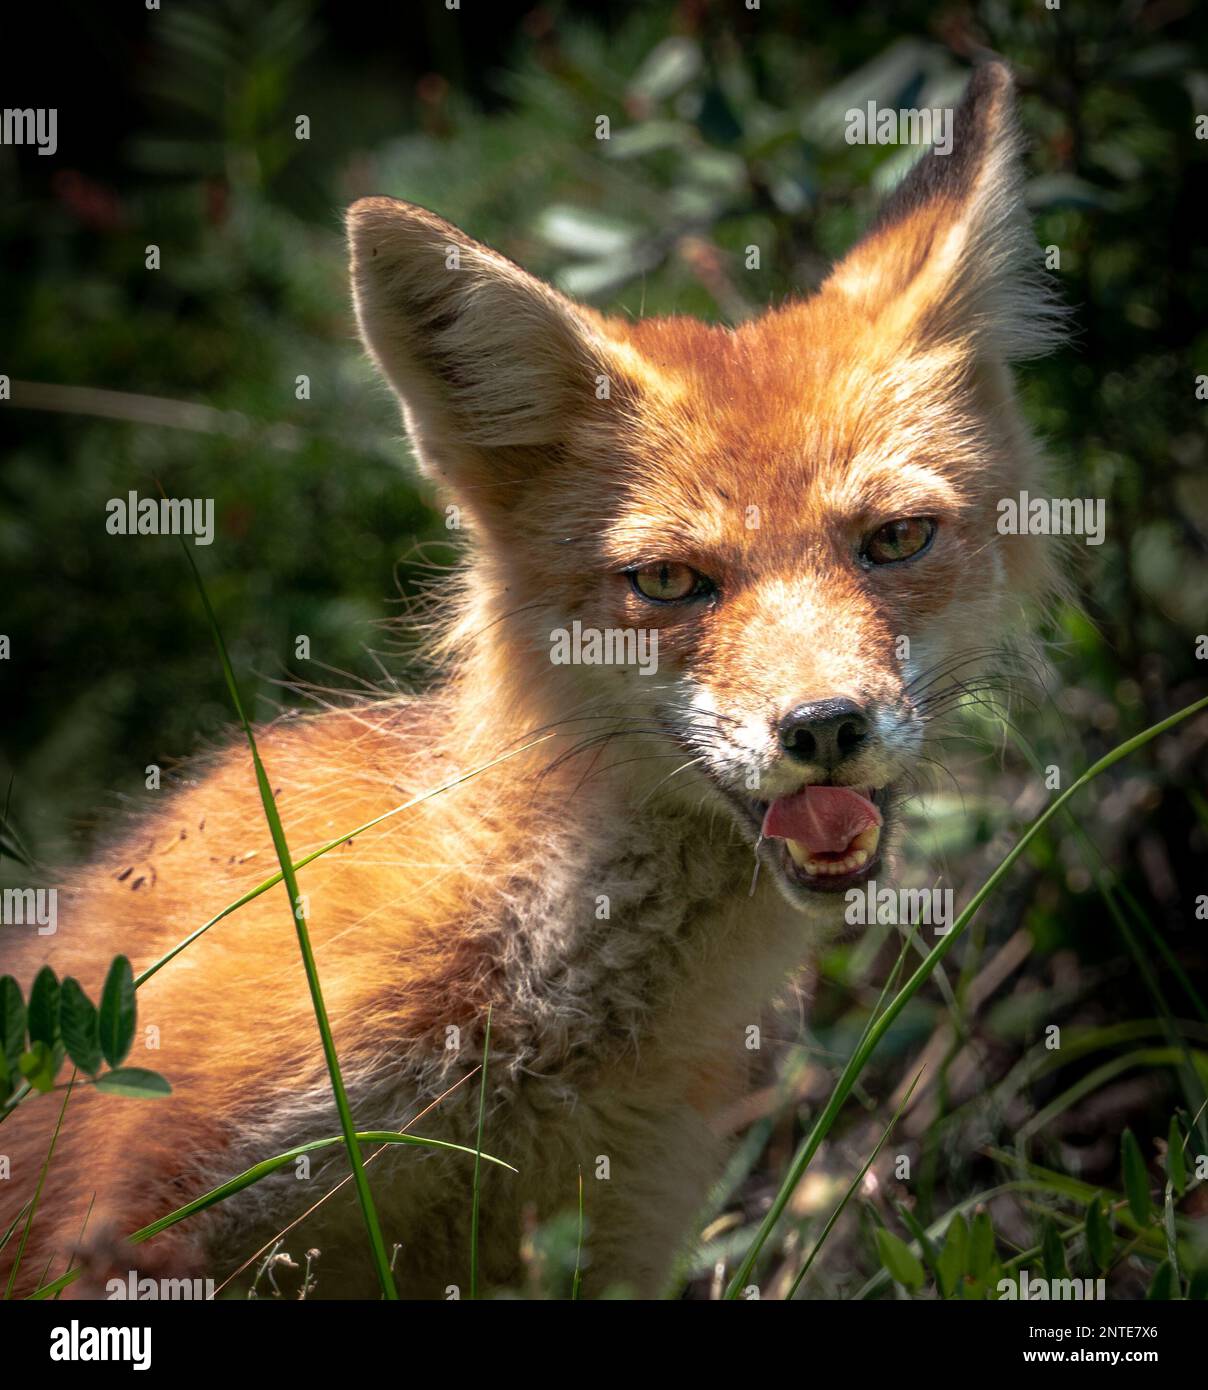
x,y
492,365
951,256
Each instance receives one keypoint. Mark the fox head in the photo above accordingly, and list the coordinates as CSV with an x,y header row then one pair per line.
x,y
796,517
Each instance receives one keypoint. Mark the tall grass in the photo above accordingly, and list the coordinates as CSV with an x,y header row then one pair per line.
x,y
877,1030
37,1197
373,1227
477,1193
265,1168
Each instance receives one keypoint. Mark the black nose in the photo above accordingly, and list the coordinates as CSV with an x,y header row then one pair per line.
x,y
824,732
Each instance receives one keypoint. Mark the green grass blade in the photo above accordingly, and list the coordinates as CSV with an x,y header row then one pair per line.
x,y
863,1052
10,841
33,1204
1105,881
13,1224
1176,1164
24,1088
264,1169
75,1249
475,1200
1093,1080
891,979
1136,1179
851,1191
274,879
577,1281
1171,1233
373,1227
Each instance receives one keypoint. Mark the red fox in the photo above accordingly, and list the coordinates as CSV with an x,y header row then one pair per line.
x,y
720,580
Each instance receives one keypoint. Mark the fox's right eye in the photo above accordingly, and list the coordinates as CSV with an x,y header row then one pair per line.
x,y
669,582
899,540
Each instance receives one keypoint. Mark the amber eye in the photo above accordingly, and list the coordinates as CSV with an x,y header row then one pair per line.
x,y
669,582
898,540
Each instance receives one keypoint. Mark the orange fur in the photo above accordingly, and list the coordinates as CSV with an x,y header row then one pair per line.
x,y
883,395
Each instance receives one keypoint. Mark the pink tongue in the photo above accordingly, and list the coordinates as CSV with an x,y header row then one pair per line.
x,y
824,819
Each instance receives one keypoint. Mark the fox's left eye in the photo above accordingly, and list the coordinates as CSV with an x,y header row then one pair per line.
x,y
898,540
669,582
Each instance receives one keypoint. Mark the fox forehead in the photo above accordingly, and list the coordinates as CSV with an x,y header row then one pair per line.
x,y
770,427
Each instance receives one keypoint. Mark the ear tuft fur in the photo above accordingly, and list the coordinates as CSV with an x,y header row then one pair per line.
x,y
951,254
481,353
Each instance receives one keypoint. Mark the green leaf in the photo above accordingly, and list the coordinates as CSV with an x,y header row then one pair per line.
x,y
1197,1285
1164,1286
37,1066
981,1246
585,232
718,121
1098,1234
649,137
931,1256
1052,1253
136,1082
1176,1164
1156,60
12,1019
1136,1178
117,1012
1048,192
594,278
669,66
899,1259
43,1019
80,1027
997,1274
952,1257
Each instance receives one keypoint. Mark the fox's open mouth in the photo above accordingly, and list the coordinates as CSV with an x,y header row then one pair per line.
x,y
822,838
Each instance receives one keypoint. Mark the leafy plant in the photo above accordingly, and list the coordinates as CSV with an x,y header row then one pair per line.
x,y
61,1022
967,1263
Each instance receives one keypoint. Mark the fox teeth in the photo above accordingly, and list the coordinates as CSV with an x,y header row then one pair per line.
x,y
867,840
797,852
859,852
